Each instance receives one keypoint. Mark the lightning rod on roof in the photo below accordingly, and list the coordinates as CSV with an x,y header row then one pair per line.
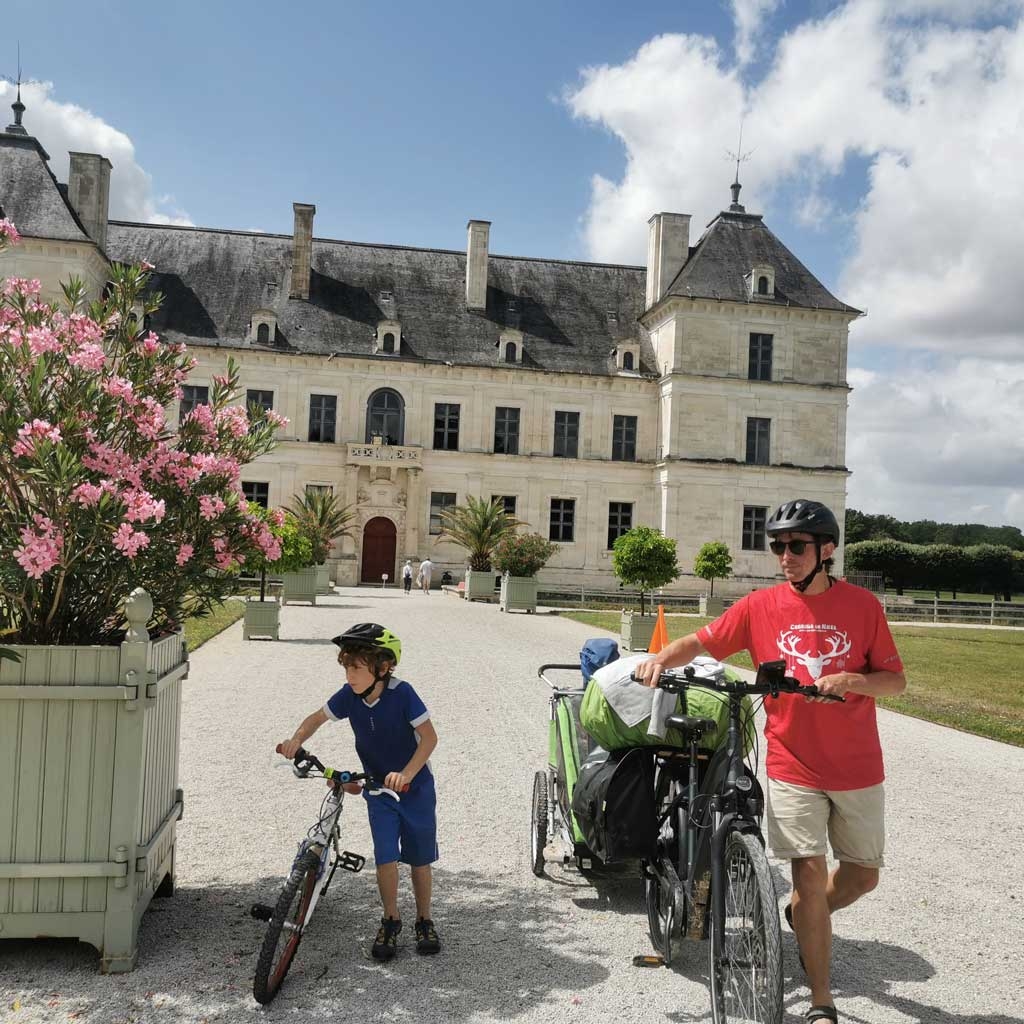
x,y
739,156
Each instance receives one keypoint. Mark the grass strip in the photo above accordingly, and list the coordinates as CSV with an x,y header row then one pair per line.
x,y
199,629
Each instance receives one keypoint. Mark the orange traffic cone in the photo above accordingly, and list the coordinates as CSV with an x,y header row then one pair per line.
x,y
659,638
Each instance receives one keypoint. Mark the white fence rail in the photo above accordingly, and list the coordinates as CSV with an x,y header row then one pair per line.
x,y
981,613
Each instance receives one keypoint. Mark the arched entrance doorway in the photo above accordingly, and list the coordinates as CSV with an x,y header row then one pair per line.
x,y
380,540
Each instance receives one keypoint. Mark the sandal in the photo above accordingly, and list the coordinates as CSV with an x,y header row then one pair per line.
x,y
821,1013
788,914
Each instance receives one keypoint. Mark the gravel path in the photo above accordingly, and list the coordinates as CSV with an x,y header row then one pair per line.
x,y
942,940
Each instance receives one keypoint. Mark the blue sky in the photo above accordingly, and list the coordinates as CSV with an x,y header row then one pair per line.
x,y
884,135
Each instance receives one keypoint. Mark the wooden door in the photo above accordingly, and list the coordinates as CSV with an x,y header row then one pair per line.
x,y
380,541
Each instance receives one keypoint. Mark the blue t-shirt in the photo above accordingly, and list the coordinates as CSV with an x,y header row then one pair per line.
x,y
384,730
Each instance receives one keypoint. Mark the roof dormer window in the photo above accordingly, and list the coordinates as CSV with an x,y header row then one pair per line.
x,y
627,356
388,339
510,347
761,280
263,327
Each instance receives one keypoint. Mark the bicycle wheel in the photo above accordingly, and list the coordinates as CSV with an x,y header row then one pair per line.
x,y
284,933
661,906
746,977
539,823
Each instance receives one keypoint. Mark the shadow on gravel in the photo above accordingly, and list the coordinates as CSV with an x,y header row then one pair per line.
x,y
504,951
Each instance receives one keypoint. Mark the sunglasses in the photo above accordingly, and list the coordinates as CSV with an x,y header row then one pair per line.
x,y
798,547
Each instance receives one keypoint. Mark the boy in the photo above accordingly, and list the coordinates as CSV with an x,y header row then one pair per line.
x,y
394,737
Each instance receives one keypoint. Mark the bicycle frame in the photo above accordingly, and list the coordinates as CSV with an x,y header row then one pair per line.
x,y
326,837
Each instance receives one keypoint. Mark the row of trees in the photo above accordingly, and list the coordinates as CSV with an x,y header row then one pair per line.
x,y
862,526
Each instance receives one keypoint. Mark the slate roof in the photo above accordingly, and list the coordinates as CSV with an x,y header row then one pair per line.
x,y
214,280
733,243
30,194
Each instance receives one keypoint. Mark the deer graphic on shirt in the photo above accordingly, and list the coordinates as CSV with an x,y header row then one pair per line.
x,y
838,645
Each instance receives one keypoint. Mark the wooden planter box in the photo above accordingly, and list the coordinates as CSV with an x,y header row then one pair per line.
x,y
637,630
89,797
479,586
299,586
323,580
518,593
262,618
713,606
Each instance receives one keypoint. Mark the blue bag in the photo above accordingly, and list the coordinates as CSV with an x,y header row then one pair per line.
x,y
596,654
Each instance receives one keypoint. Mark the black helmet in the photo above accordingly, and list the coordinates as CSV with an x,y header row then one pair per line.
x,y
801,515
369,634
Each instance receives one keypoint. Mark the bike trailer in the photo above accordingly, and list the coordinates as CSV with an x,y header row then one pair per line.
x,y
616,712
613,804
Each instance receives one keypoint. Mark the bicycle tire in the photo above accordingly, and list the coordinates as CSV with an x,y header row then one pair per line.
x,y
746,980
661,923
280,942
539,823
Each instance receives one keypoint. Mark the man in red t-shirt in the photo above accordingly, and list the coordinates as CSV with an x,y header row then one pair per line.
x,y
824,760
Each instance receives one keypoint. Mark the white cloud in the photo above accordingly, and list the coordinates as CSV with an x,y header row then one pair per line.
x,y
64,127
748,17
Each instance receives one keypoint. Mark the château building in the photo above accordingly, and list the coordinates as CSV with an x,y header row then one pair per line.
x,y
693,394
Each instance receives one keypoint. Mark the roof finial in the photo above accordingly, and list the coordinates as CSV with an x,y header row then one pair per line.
x,y
17,106
739,156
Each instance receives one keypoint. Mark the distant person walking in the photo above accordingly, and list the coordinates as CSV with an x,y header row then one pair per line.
x,y
407,576
426,568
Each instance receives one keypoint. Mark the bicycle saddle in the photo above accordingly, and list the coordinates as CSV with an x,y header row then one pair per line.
x,y
689,725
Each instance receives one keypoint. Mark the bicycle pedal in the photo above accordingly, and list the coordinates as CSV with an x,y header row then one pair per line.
x,y
261,911
351,861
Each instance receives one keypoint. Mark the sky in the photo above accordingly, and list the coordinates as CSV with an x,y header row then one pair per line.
x,y
882,142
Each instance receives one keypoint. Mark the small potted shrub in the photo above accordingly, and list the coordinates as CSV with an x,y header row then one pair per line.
x,y
645,559
297,565
519,557
263,615
478,526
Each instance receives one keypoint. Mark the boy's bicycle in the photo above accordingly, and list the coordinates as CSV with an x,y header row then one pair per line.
x,y
319,856
710,876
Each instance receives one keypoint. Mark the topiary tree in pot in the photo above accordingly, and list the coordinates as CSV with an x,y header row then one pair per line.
x,y
713,562
519,557
478,526
296,565
323,519
642,558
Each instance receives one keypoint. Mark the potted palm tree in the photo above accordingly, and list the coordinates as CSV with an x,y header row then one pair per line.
x,y
645,559
322,519
519,557
478,526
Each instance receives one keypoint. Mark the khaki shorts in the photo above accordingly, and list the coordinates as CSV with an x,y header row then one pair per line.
x,y
799,819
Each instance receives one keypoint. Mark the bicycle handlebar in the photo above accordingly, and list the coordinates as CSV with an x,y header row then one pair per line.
x,y
770,681
305,762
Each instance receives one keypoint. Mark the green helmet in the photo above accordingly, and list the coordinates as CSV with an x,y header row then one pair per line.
x,y
372,635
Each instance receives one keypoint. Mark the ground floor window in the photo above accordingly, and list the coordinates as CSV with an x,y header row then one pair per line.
x,y
257,492
754,519
563,520
620,520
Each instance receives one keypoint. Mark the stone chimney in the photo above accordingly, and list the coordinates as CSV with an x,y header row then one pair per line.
x,y
89,193
668,247
479,232
302,250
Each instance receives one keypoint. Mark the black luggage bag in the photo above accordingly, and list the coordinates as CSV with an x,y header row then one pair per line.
x,y
613,802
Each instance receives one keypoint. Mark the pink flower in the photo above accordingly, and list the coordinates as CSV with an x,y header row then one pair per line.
x,y
145,265
118,387
277,517
150,343
87,494
41,547
140,506
129,541
184,553
31,434
88,357
235,420
9,231
41,340
21,286
277,419
210,506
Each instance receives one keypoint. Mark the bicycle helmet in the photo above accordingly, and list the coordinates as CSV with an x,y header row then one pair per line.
x,y
370,634
801,515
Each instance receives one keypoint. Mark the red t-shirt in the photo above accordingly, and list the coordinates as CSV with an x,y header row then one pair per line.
x,y
819,745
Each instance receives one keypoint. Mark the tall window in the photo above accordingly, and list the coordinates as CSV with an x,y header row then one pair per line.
x,y
627,360
754,519
510,351
319,489
261,399
506,431
624,438
567,435
258,492
759,366
191,396
758,438
446,427
508,500
762,285
323,413
385,417
563,519
263,334
389,342
439,501
620,520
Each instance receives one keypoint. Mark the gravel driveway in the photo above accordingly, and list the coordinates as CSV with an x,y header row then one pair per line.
x,y
942,940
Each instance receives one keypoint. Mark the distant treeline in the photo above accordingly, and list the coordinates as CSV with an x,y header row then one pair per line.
x,y
861,526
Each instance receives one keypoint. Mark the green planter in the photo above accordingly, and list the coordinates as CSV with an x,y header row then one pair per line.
x,y
89,797
713,606
299,586
479,586
323,580
262,618
518,594
636,630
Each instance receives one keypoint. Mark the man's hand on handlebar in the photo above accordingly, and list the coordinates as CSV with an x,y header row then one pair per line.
x,y
648,672
835,686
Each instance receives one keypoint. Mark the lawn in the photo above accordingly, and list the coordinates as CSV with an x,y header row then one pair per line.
x,y
199,630
969,679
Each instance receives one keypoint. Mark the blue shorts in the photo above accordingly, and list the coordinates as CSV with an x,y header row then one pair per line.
x,y
405,829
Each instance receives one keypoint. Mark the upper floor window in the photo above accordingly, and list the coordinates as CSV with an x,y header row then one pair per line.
x,y
506,430
439,501
510,351
319,489
255,398
562,526
620,520
446,427
758,440
627,360
257,492
624,438
191,396
567,435
508,501
754,519
385,417
323,413
263,334
759,366
388,344
762,285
